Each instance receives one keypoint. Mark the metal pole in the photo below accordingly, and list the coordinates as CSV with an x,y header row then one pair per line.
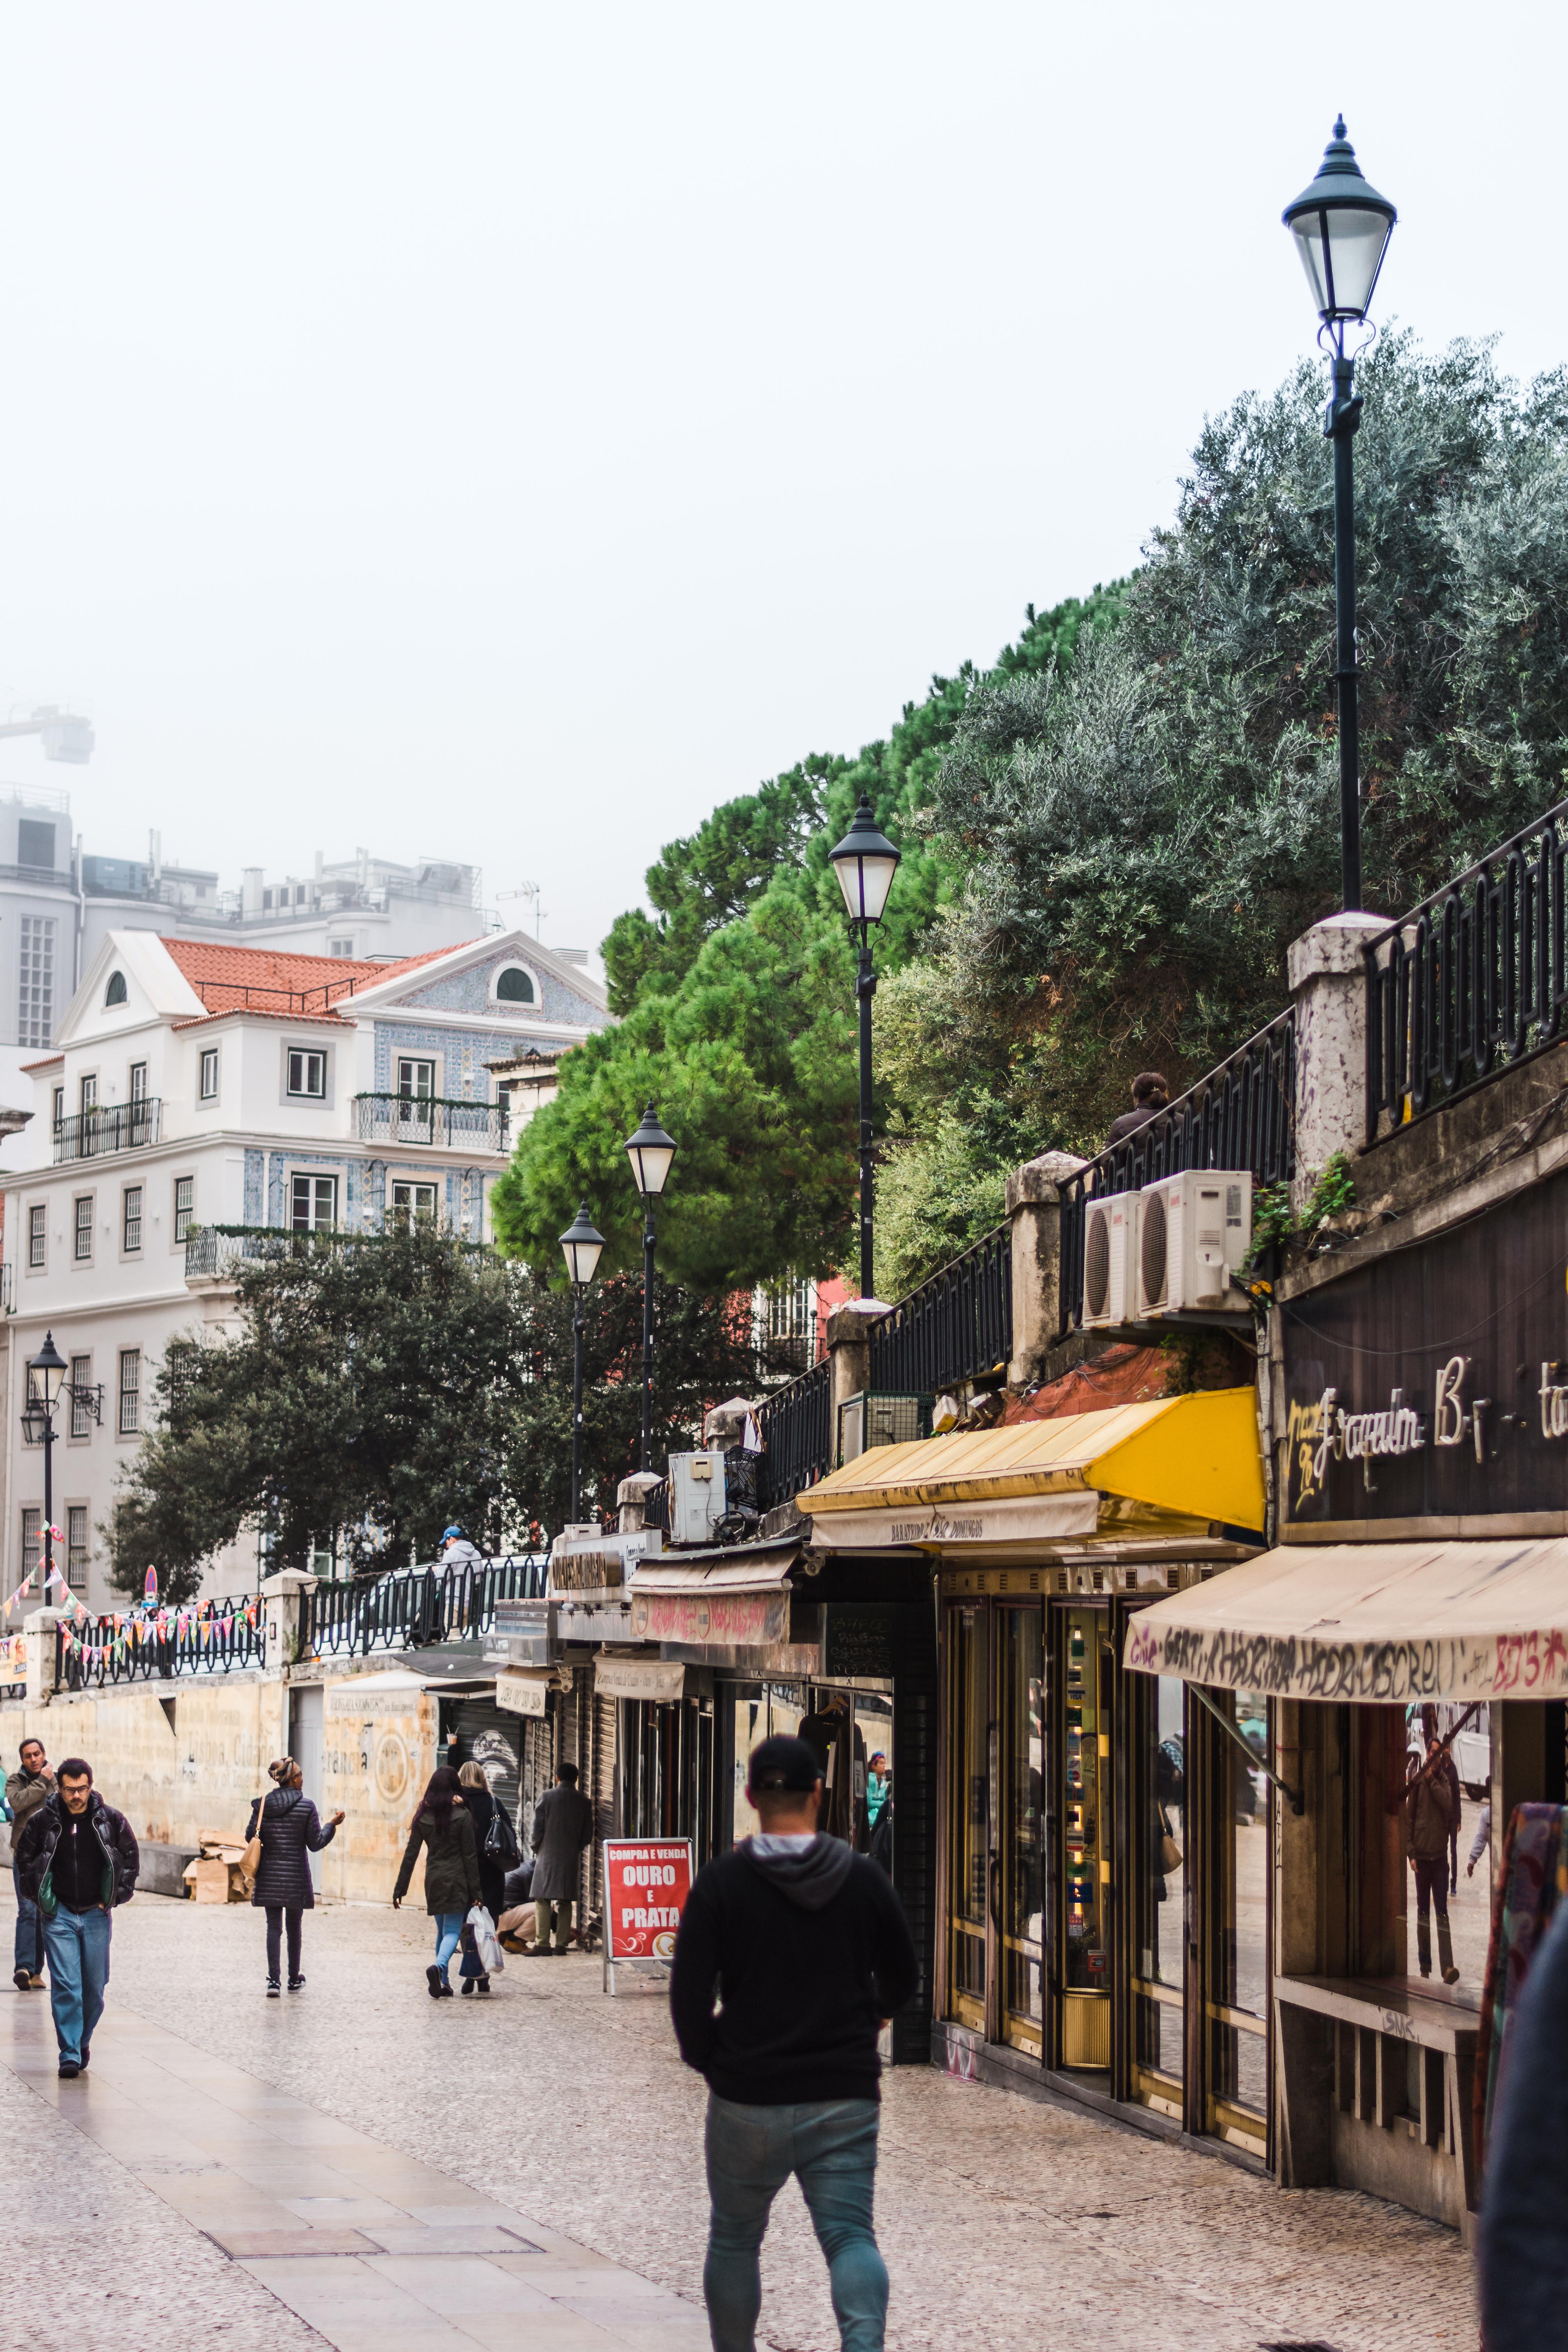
x,y
865,988
1343,421
647,1329
49,1503
577,1399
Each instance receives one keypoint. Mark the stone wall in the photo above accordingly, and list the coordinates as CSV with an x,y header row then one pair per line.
x,y
177,1781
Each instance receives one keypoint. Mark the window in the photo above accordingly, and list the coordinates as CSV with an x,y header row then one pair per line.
x,y
314,1204
90,1095
35,844
76,1547
81,1410
36,1009
138,1081
416,1078
59,1107
115,993
84,1225
514,987
307,1074
412,1200
38,1232
130,1391
339,947
131,1236
208,1087
184,1205
32,1533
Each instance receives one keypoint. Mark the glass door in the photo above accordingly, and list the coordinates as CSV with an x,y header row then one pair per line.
x,y
968,1812
1086,1847
1023,1764
1235,1956
1158,1853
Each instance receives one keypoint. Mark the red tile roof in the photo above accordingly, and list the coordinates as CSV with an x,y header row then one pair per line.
x,y
267,980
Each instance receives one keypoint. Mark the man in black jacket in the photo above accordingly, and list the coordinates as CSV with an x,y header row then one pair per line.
x,y
78,1859
809,1945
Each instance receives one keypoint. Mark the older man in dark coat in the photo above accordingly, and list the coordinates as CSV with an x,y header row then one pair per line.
x,y
563,1826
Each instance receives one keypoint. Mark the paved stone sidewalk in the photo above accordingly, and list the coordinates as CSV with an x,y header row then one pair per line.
x,y
1004,2222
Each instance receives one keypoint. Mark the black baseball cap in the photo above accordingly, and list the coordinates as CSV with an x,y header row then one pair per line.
x,y
783,1763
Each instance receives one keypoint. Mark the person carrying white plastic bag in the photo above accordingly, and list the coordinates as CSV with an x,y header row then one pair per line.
x,y
485,1943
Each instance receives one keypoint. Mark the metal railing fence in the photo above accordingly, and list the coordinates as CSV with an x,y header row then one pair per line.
x,y
417,1120
126,1647
1472,981
796,1426
113,1127
957,1326
413,1608
1242,1115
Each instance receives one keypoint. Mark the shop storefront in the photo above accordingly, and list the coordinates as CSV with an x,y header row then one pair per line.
x,y
1103,1855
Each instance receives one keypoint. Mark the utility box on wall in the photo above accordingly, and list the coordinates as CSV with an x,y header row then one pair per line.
x,y
695,1496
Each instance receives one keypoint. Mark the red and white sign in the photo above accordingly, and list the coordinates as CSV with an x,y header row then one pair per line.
x,y
646,1882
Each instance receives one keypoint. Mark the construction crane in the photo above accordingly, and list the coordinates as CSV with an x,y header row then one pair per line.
x,y
65,736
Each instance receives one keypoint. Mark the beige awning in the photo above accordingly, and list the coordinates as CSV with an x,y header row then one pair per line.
x,y
650,1678
741,1568
1371,1622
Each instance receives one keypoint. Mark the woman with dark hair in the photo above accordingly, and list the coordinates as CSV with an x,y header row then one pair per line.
x,y
480,1804
290,1830
443,1827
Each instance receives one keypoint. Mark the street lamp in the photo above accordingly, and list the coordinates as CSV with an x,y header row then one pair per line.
x,y
865,862
1341,227
46,1371
581,1245
650,1151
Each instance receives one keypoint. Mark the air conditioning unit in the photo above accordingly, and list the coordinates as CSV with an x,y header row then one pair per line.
x,y
1193,1231
866,1420
697,1496
1110,1266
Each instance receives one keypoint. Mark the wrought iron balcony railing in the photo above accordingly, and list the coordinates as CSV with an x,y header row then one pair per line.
x,y
796,1426
412,1120
216,1250
1242,1115
957,1326
416,1608
214,1638
111,1126
1471,981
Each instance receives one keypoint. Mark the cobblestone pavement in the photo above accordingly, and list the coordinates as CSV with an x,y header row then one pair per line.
x,y
1005,2221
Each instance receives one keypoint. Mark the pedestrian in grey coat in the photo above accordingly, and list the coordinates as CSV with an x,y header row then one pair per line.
x,y
289,1828
563,1826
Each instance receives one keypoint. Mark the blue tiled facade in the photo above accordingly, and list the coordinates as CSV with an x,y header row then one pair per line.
x,y
470,991
462,1054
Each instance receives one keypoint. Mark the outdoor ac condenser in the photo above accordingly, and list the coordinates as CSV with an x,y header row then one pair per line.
x,y
1109,1271
1193,1231
695,1496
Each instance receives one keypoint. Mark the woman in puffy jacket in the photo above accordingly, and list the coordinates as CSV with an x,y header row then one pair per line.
x,y
289,1829
443,1827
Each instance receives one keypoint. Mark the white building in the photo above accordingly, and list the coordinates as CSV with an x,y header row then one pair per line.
x,y
197,1087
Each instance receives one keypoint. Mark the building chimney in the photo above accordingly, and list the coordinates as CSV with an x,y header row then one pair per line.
x,y
250,898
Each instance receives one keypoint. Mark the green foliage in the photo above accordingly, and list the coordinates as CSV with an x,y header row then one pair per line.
x,y
739,1011
380,1389
1273,1220
1333,1192
1140,840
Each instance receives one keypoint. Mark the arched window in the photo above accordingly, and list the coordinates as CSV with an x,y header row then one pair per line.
x,y
514,987
115,993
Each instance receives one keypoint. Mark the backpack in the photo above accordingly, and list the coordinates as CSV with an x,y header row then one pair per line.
x,y
501,1839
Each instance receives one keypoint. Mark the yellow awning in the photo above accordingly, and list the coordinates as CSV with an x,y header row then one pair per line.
x,y
1195,1457
1374,1623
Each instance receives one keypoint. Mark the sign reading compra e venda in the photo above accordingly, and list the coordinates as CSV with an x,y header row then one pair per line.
x,y
646,1882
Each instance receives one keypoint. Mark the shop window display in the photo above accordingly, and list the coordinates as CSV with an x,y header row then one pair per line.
x,y
1159,1842
1024,1766
1085,1846
969,1813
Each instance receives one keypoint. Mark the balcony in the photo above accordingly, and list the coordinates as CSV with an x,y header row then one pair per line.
x,y
213,1252
111,1126
400,1122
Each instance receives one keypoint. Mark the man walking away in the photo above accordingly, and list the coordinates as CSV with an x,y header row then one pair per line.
x,y
810,1946
24,1792
79,1859
1150,1096
1431,1810
563,1826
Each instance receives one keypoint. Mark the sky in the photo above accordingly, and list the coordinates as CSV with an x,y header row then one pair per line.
x,y
503,433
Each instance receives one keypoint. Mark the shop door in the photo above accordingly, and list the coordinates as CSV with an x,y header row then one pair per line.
x,y
1020,1662
1234,1815
1157,1842
1087,1673
969,1813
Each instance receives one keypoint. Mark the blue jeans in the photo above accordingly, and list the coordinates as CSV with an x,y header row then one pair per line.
x,y
77,1946
29,1944
831,2147
448,1935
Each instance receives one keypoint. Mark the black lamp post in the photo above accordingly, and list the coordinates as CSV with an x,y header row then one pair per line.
x,y
865,862
1341,227
46,1373
581,1245
650,1151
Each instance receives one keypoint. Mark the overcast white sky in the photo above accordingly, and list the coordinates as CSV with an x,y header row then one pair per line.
x,y
504,431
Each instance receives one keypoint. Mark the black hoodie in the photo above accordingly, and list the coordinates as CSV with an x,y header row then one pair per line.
x,y
810,1951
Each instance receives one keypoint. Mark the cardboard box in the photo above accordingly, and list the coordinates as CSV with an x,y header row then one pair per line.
x,y
211,1879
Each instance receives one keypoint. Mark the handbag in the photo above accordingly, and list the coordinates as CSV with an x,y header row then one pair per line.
x,y
1169,1851
501,1839
250,1860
